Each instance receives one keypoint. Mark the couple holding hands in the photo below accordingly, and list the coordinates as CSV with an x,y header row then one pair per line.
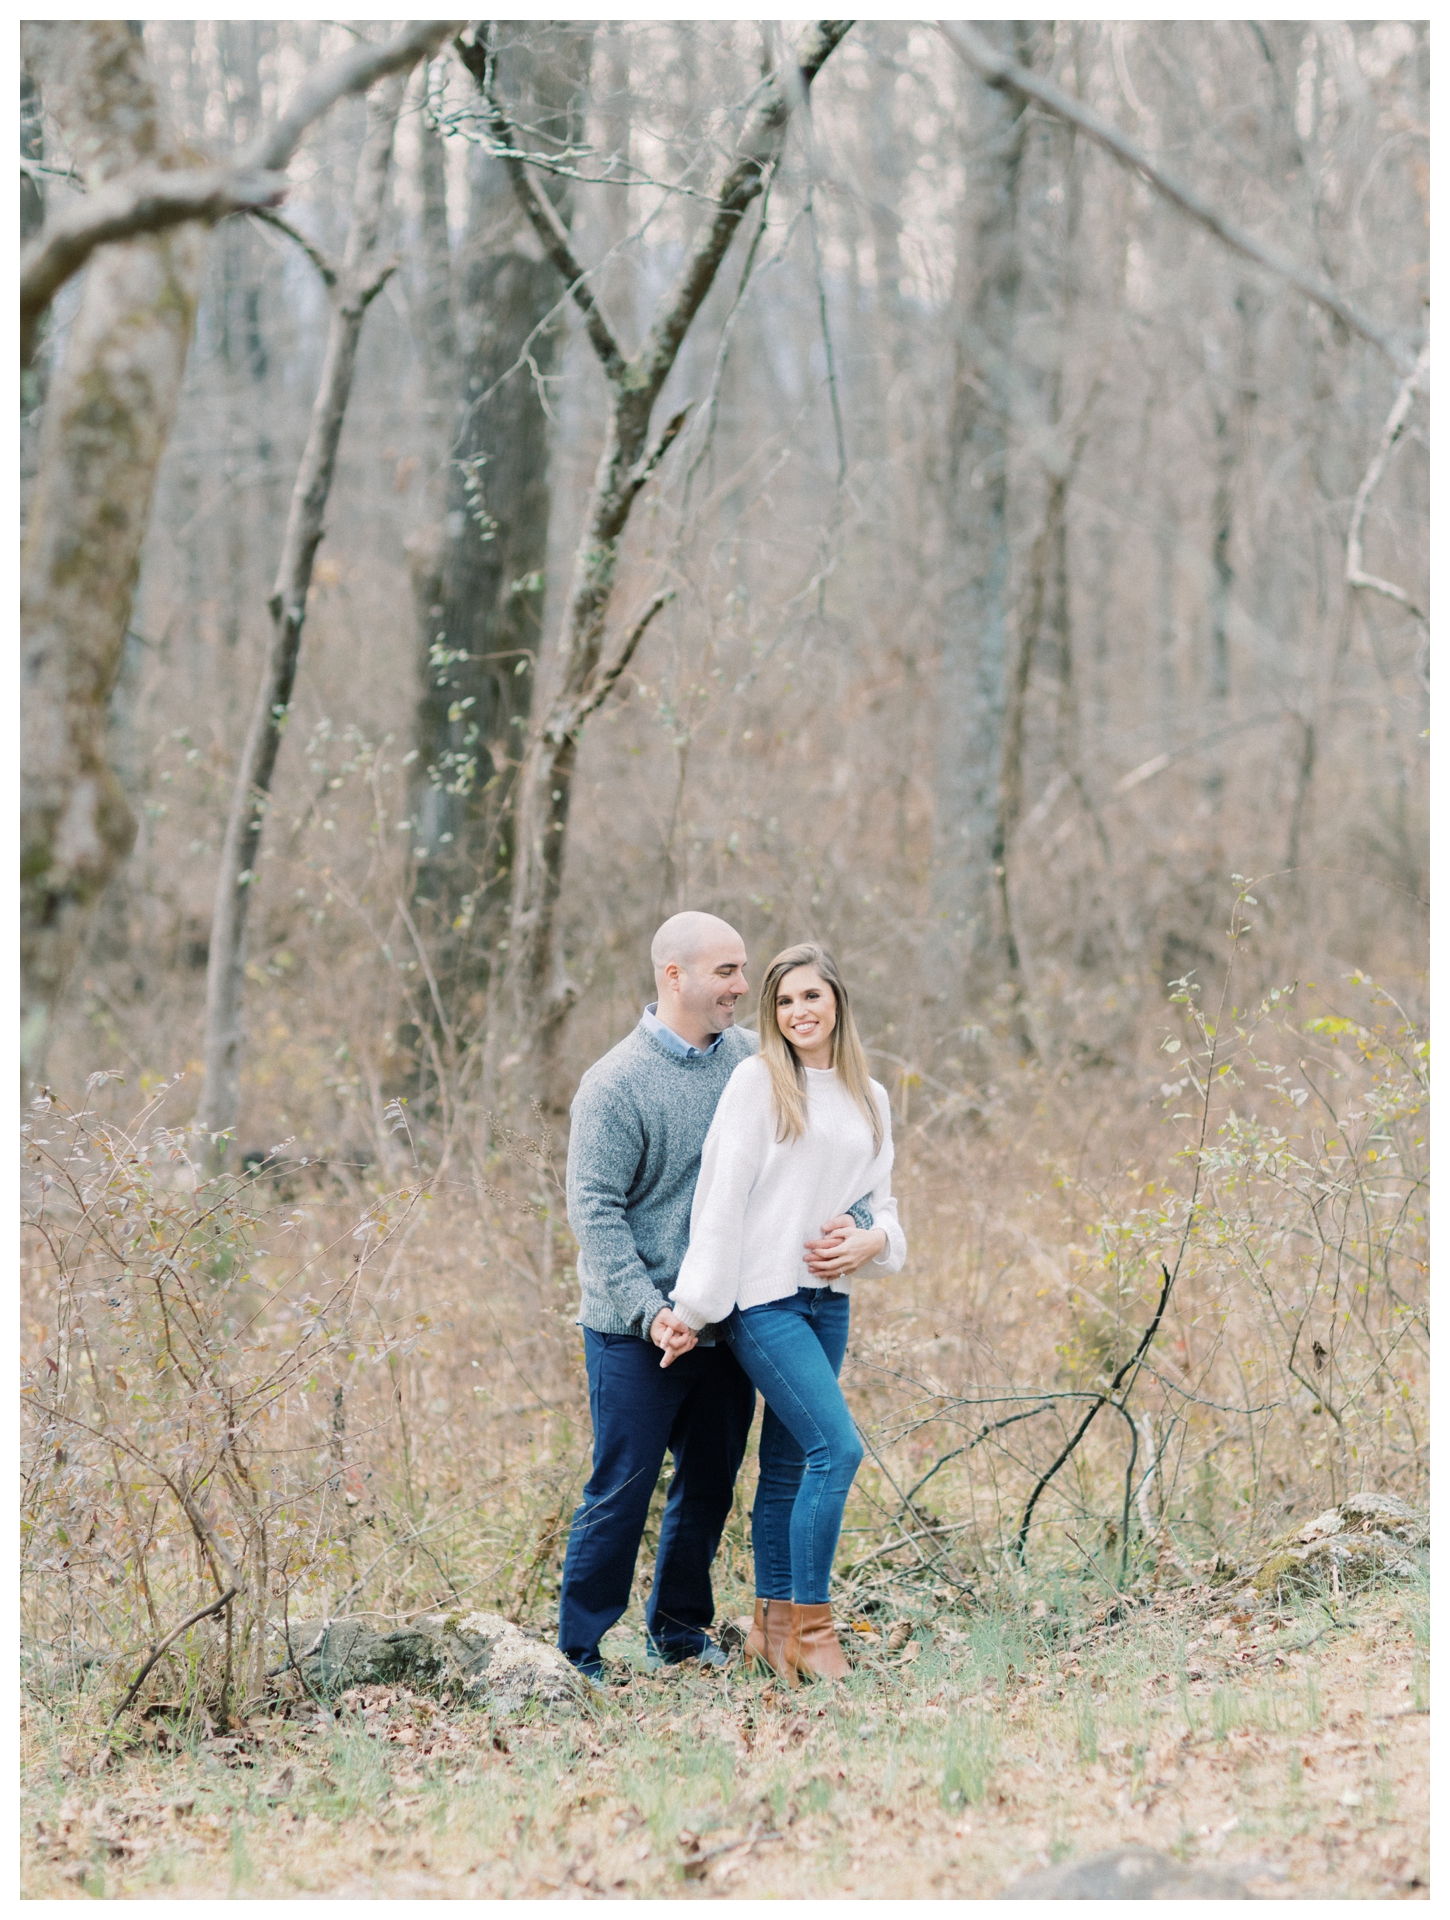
x,y
723,1189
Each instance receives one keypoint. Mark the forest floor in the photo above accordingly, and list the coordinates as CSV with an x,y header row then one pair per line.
x,y
1292,1744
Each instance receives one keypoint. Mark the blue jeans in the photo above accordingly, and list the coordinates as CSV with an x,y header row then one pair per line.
x,y
700,1409
809,1448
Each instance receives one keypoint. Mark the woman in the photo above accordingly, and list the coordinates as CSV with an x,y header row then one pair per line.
x,y
800,1131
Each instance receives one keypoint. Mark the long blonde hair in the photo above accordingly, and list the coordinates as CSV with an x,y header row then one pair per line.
x,y
848,1057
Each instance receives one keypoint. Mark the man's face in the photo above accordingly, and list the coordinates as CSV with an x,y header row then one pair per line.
x,y
710,988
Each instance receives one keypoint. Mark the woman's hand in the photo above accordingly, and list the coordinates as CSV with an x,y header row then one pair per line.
x,y
843,1247
669,1332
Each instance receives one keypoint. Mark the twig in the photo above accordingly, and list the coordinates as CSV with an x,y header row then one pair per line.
x,y
269,217
604,684
422,953
1094,1565
992,1427
827,344
953,1577
205,1613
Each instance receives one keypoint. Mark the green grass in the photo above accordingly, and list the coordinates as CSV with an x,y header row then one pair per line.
x,y
969,1759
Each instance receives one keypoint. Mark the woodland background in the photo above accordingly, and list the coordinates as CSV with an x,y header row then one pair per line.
x,y
1016,645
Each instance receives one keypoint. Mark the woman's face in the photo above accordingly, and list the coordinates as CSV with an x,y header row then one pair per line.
x,y
805,1007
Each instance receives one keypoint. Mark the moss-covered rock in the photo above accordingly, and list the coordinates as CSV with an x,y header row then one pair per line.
x,y
479,1654
1366,1537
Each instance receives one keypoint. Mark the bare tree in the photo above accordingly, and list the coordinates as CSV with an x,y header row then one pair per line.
x,y
973,689
353,287
107,420
107,417
542,991
481,590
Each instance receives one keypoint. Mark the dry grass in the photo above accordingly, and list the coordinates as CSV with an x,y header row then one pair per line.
x,y
437,1454
992,1746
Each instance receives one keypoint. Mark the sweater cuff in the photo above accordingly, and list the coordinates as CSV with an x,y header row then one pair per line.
x,y
892,1257
692,1318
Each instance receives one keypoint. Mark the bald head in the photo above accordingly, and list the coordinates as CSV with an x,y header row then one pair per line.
x,y
699,963
685,936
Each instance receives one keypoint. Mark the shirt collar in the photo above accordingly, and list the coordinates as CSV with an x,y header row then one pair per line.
x,y
670,1040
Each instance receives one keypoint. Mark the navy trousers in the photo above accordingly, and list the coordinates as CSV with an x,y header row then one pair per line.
x,y
699,1409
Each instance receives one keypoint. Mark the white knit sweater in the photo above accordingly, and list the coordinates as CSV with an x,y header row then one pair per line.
x,y
759,1200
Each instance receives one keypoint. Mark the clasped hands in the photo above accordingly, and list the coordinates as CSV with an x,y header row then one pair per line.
x,y
842,1247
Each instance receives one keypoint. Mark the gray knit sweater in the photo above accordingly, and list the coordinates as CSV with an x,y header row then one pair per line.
x,y
637,1126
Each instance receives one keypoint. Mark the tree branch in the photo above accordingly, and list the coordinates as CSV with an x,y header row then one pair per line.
x,y
541,213
655,452
759,147
998,71
148,200
152,199
352,72
319,259
605,682
202,1613
1354,573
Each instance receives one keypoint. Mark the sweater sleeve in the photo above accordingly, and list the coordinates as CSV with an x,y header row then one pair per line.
x,y
709,1278
883,1202
606,1144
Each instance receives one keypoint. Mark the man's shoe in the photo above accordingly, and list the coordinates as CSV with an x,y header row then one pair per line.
x,y
771,1640
608,1673
657,1658
818,1654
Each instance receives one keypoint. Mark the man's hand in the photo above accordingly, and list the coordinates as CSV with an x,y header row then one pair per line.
x,y
843,1247
669,1332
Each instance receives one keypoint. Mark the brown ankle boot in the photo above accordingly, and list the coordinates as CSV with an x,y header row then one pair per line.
x,y
769,1641
818,1654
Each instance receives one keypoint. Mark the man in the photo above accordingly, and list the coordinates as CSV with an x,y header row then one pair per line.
x,y
638,1123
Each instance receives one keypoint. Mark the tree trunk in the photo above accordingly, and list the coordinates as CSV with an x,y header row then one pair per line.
x,y
1232,407
360,280
481,599
972,696
436,321
34,378
107,417
541,991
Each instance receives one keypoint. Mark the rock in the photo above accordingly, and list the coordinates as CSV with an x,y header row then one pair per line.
x,y
1133,1873
478,1654
1365,1537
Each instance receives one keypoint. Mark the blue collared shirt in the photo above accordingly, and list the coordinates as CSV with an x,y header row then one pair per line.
x,y
670,1040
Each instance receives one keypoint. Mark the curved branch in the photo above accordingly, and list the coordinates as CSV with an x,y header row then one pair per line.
x,y
319,259
1019,1545
998,71
605,683
1399,414
153,199
202,1613
148,200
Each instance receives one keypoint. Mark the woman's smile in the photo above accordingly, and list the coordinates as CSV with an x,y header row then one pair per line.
x,y
805,1008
